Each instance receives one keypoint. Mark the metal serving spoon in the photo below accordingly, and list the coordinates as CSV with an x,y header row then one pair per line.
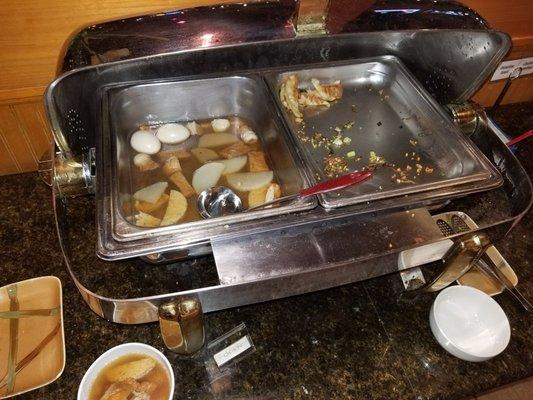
x,y
220,200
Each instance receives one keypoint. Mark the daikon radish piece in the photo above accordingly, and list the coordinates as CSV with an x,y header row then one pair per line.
x,y
233,165
151,207
151,193
211,140
146,220
235,150
257,161
207,176
246,181
177,206
204,155
178,179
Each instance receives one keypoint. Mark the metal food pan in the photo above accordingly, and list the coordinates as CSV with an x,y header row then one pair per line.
x,y
393,116
126,107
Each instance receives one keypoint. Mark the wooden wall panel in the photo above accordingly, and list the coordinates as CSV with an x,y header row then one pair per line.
x,y
24,136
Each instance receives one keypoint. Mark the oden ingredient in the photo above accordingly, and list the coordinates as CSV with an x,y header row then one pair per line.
x,y
172,133
131,377
221,152
177,206
246,181
145,142
207,176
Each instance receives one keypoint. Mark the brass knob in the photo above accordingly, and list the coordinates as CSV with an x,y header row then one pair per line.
x,y
182,325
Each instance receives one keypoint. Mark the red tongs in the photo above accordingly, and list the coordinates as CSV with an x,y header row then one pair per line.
x,y
333,184
517,139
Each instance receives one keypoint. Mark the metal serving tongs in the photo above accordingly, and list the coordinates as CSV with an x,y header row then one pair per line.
x,y
467,252
485,264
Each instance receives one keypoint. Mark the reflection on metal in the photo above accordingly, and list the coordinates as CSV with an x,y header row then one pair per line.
x,y
470,117
312,16
494,272
182,325
462,256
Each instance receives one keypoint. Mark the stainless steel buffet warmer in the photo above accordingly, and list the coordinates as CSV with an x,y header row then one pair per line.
x,y
429,57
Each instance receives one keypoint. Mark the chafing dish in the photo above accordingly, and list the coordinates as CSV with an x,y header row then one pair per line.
x,y
446,48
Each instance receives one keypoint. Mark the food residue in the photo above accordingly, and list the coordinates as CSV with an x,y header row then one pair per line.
x,y
334,165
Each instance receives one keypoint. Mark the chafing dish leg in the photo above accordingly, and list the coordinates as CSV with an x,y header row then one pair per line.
x,y
182,325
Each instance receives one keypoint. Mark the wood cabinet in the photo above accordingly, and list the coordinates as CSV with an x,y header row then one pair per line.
x,y
32,35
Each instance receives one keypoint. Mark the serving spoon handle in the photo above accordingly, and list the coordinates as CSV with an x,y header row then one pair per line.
x,y
340,182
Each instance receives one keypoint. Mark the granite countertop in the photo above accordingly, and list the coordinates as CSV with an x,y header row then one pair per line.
x,y
356,341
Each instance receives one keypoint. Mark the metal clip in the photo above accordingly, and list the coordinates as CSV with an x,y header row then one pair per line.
x,y
182,325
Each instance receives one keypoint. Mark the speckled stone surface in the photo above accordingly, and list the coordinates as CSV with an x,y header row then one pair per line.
x,y
360,341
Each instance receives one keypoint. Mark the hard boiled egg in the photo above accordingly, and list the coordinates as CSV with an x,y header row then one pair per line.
x,y
172,133
145,142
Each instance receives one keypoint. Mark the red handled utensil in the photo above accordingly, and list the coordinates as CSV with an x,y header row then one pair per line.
x,y
517,139
341,182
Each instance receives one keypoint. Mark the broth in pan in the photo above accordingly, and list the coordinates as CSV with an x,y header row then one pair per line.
x,y
174,162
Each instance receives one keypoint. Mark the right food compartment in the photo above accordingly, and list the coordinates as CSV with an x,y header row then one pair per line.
x,y
372,114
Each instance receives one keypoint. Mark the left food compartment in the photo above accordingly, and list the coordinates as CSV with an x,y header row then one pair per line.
x,y
168,141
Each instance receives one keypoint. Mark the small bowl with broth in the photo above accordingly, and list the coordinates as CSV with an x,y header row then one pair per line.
x,y
130,370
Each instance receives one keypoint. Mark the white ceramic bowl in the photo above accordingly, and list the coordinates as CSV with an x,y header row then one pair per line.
x,y
469,323
119,351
